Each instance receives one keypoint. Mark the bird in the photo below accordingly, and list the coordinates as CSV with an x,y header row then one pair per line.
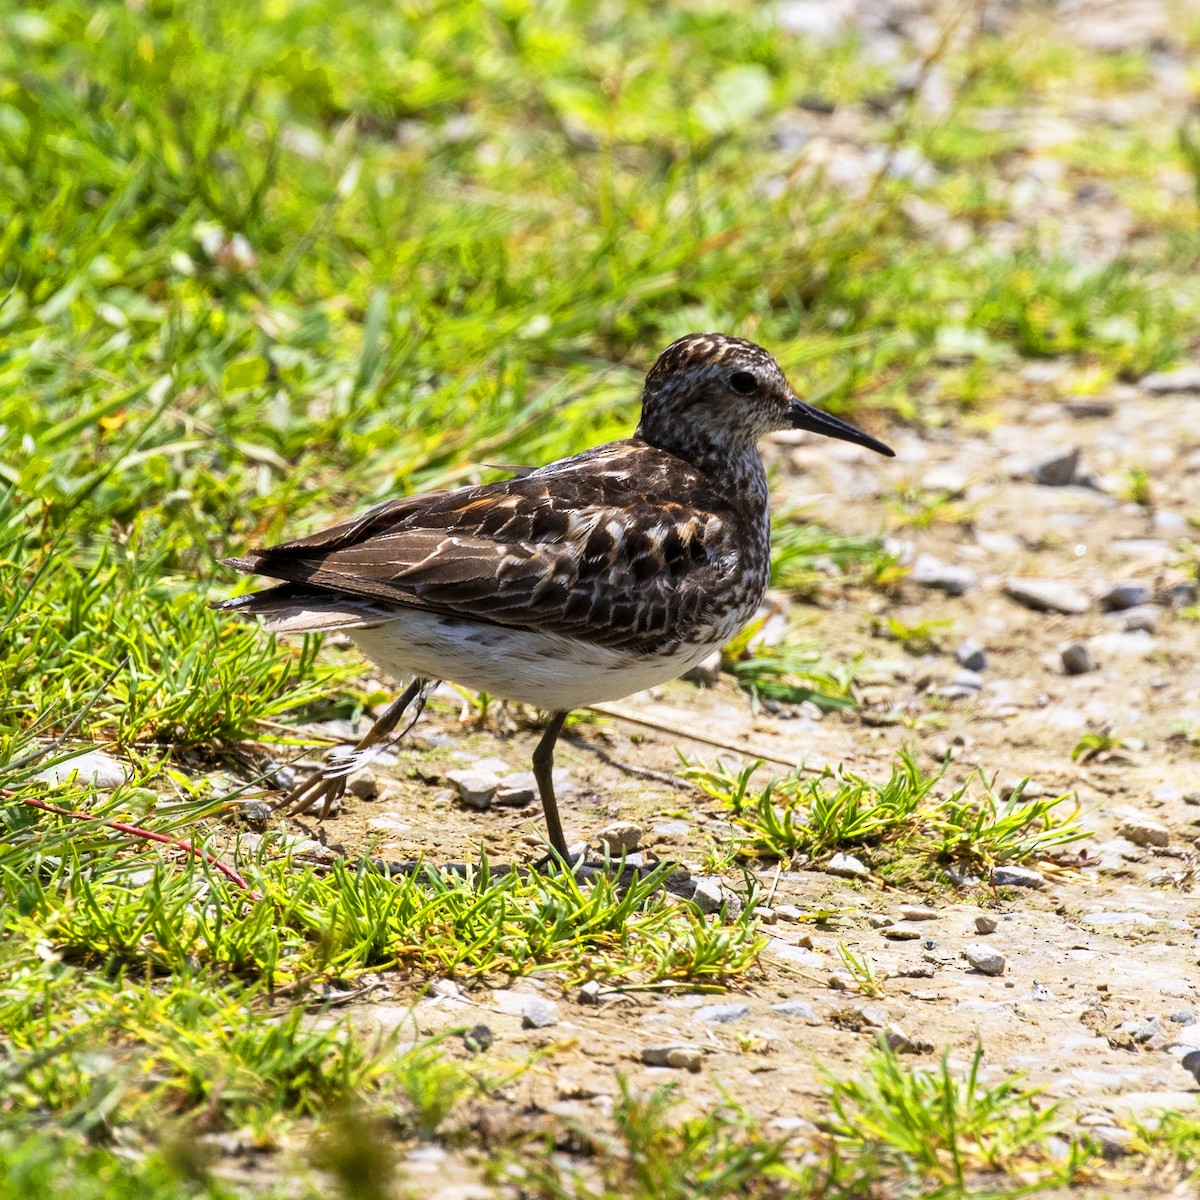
x,y
581,581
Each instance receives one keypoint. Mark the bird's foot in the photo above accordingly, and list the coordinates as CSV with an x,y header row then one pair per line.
x,y
321,787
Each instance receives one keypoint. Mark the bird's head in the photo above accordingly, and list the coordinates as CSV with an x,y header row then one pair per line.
x,y
710,395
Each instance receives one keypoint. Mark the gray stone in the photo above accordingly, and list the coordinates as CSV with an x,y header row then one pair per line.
x,y
1075,659
671,829
847,866
621,837
1017,877
789,912
1141,831
1143,618
971,680
364,785
537,1013
516,790
879,921
899,933
900,1043
1114,1142
765,915
707,671
984,960
985,925
1046,595
956,691
971,655
1056,469
100,770
475,788
1147,1030
678,1056
1117,597
917,912
797,1008
711,893
589,993
933,573
722,1014
1182,379
1182,1017
1181,595
1083,408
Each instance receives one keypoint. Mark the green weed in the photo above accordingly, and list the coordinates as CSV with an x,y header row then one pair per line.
x,y
901,826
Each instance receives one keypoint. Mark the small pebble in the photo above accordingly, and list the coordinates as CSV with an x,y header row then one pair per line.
x,y
789,912
364,785
1144,618
1017,877
984,960
898,933
1141,831
589,993
680,1057
1075,659
516,790
1047,595
722,1014
1056,469
1119,596
933,573
478,1039
621,837
797,1008
475,788
707,672
847,866
900,1043
971,655
1182,379
879,921
985,924
537,1013
101,770
765,915
917,912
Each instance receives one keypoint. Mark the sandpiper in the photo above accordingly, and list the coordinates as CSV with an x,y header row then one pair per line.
x,y
582,581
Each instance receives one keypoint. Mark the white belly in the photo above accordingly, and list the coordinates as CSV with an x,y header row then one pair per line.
x,y
545,669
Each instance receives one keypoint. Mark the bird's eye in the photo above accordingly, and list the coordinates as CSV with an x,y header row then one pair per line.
x,y
743,383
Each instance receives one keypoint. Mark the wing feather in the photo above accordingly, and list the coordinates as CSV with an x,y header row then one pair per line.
x,y
615,547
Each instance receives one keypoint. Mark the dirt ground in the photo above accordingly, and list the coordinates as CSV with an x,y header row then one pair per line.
x,y
1100,996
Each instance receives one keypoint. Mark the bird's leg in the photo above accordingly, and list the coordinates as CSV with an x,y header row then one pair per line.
x,y
328,784
543,767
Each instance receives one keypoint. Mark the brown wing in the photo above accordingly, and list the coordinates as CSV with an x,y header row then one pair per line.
x,y
616,547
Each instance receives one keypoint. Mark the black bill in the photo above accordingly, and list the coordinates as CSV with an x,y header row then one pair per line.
x,y
804,416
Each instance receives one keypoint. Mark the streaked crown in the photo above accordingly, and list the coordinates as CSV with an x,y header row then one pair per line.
x,y
710,397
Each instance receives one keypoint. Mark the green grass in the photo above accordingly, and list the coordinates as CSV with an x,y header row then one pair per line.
x,y
904,828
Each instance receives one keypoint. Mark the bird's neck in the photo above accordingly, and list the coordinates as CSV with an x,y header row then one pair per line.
x,y
735,472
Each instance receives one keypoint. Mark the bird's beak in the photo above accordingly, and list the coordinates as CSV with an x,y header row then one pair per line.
x,y
804,416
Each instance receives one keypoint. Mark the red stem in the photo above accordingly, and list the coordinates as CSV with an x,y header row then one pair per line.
x,y
148,835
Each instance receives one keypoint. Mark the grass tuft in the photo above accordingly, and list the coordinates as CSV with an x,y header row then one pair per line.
x,y
902,827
